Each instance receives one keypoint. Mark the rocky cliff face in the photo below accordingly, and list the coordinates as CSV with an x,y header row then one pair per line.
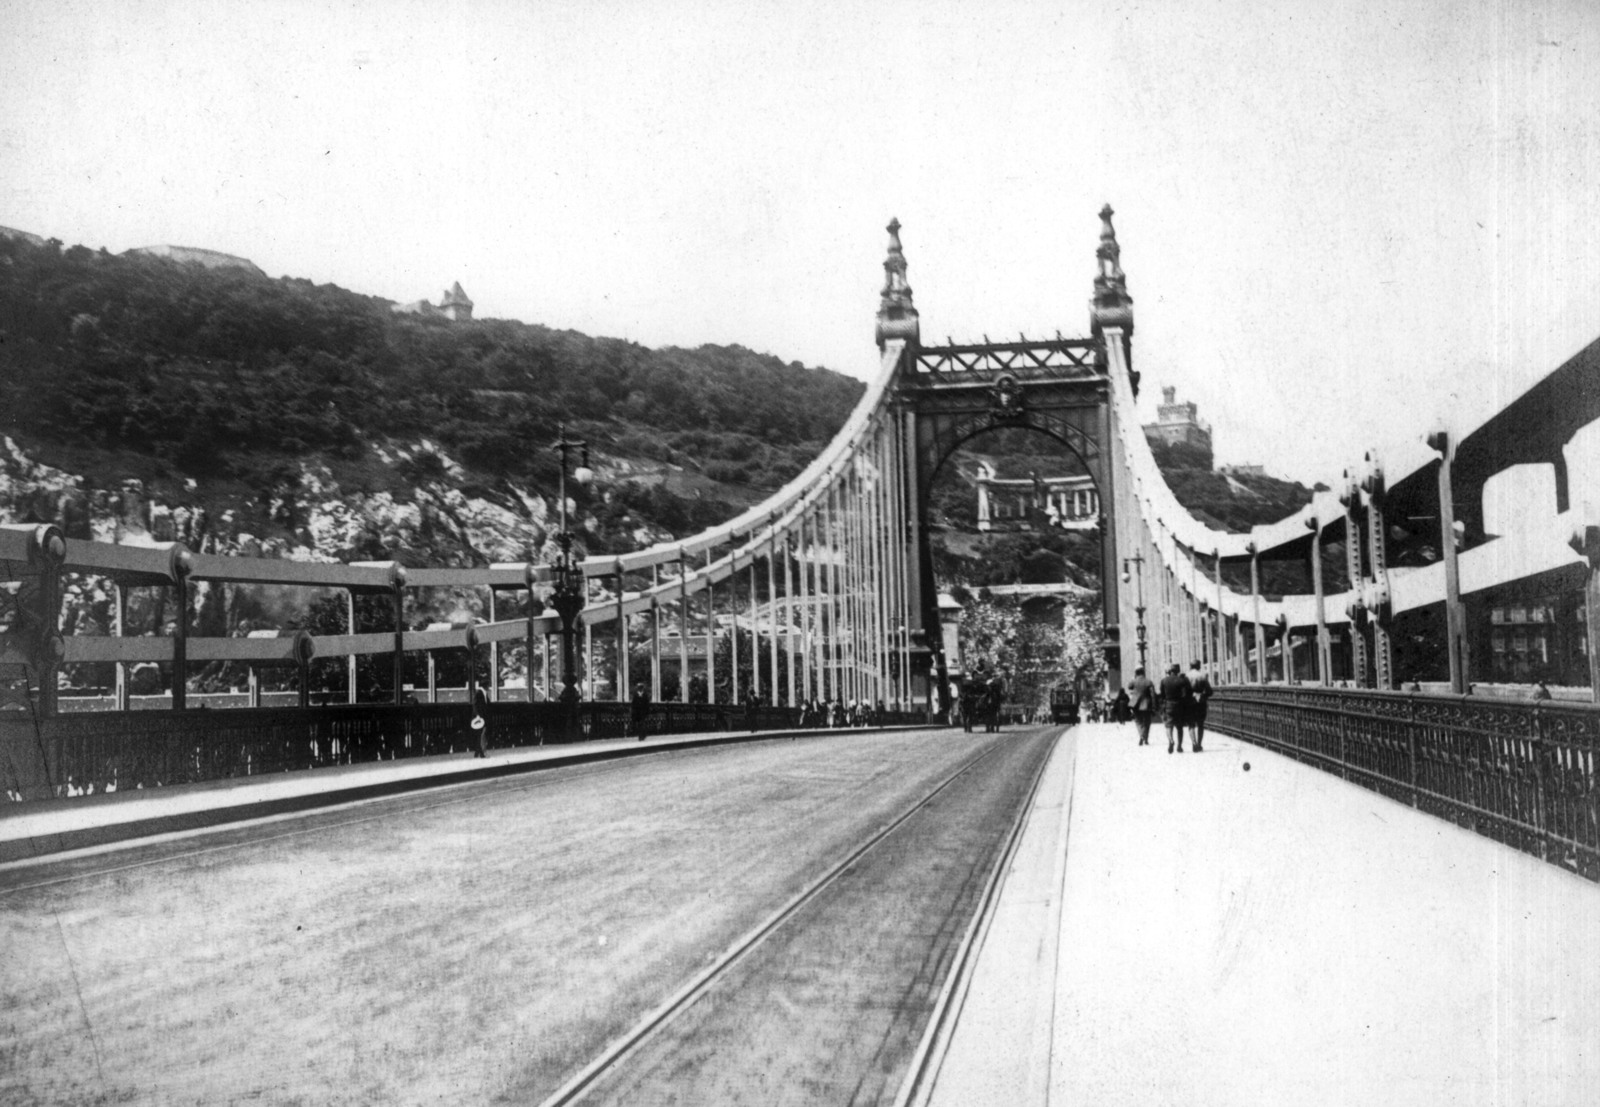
x,y
317,520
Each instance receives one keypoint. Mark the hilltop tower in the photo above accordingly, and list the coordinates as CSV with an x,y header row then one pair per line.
x,y
1179,424
455,304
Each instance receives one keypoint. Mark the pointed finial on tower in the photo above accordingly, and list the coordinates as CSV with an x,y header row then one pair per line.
x,y
897,317
1110,284
1111,305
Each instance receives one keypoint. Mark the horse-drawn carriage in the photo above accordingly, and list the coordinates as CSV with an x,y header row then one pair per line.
x,y
983,698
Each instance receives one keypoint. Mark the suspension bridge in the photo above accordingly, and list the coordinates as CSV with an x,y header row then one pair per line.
x,y
1378,682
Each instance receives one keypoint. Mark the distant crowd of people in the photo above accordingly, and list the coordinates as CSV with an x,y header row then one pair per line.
x,y
841,713
1180,699
813,712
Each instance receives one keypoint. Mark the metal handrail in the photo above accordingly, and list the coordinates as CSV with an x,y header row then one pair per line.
x,y
1523,772
94,753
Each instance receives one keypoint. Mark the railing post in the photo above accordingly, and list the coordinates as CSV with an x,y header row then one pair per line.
x,y
535,610
1586,540
1455,616
711,630
1378,563
655,635
733,643
180,638
1353,530
1411,742
1221,622
683,628
494,651
1344,745
624,665
1324,649
589,671
472,685
400,634
350,661
1540,798
119,628
1255,602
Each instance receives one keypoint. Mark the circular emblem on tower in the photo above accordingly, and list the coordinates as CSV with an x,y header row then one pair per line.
x,y
1007,398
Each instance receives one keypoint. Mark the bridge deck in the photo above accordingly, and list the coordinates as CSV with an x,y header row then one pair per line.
x,y
1273,936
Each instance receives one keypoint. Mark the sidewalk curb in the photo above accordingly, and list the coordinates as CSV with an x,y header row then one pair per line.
x,y
45,846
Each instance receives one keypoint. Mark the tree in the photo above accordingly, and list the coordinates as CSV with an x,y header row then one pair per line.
x,y
1033,655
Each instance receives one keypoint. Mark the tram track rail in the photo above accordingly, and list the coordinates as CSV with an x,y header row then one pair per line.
x,y
615,1056
916,1090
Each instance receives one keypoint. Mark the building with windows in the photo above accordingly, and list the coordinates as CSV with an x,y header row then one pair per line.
x,y
1179,424
1543,638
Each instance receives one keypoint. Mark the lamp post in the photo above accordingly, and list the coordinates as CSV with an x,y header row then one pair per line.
x,y
568,598
1138,571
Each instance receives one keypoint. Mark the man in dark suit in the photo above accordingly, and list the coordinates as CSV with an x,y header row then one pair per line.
x,y
1175,693
641,710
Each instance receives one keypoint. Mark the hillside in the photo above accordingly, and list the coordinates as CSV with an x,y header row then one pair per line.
x,y
146,400
280,415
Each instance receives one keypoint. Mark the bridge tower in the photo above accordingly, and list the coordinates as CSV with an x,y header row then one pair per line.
x,y
945,395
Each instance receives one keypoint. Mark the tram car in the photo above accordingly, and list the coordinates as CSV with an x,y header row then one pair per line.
x,y
1064,705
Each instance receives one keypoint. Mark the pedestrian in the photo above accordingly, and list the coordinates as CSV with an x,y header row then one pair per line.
x,y
1140,700
1199,696
1119,706
641,710
480,721
1175,693
994,702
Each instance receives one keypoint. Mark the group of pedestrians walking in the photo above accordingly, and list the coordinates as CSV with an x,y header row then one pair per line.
x,y
841,713
1181,699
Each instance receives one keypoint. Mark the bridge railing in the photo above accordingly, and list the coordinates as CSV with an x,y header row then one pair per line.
x,y
46,757
1523,773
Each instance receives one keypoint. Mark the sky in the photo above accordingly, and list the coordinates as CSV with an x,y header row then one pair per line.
x,y
1341,223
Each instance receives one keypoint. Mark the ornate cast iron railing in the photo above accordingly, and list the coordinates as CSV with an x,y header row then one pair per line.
x,y
1526,773
121,751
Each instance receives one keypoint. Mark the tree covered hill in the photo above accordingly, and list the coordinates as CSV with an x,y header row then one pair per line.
x,y
261,402
236,394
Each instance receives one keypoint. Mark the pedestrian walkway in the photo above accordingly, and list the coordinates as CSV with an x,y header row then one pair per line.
x,y
1275,935
55,828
